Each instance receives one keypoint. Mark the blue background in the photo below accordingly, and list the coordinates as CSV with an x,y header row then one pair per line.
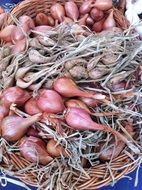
x,y
123,184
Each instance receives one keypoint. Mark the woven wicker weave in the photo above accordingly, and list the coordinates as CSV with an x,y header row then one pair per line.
x,y
99,175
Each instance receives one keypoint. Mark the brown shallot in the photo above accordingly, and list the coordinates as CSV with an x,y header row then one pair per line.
x,y
34,150
14,127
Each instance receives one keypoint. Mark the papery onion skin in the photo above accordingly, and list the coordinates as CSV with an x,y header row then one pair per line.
x,y
34,150
14,95
50,101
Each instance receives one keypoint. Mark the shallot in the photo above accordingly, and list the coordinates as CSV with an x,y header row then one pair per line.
x,y
71,10
41,19
50,101
14,127
55,150
86,6
31,107
79,119
34,150
96,14
14,95
57,11
109,22
67,88
5,34
103,5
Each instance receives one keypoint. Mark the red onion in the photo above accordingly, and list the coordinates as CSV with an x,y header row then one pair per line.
x,y
31,107
71,10
14,127
34,150
50,101
14,95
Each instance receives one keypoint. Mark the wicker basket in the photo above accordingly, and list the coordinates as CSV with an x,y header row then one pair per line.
x,y
99,175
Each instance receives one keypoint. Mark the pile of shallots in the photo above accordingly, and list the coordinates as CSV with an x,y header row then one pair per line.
x,y
95,15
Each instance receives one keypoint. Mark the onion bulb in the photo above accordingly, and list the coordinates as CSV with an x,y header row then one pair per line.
x,y
96,14
55,150
34,150
50,101
14,127
14,95
79,119
109,22
71,10
86,6
67,88
31,107
41,19
57,11
5,34
103,5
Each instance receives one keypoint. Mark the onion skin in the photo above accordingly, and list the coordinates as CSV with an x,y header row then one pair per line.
x,y
19,47
53,150
41,19
14,95
32,132
89,22
67,88
27,23
79,119
96,14
90,102
109,22
103,5
3,112
15,127
72,10
98,26
86,6
34,150
17,35
5,34
57,11
51,21
74,103
31,107
42,29
50,101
